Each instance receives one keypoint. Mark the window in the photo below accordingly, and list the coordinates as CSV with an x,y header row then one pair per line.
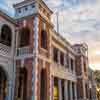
x,y
43,85
62,58
19,10
55,55
84,66
26,8
67,60
6,35
22,87
24,37
72,64
33,5
44,39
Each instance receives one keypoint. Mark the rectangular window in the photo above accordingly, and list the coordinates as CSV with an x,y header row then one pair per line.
x,y
19,10
84,66
33,5
72,64
55,55
67,61
26,8
62,58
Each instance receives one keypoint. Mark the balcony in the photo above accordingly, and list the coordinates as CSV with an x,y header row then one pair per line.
x,y
25,51
4,49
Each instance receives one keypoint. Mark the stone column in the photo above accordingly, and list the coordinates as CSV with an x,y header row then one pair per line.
x,y
71,94
60,89
75,91
66,90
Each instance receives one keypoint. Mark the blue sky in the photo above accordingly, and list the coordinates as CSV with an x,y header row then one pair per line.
x,y
79,22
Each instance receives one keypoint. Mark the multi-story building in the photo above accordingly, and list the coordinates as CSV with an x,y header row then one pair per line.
x,y
37,63
82,71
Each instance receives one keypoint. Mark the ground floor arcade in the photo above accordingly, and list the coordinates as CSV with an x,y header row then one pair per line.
x,y
64,89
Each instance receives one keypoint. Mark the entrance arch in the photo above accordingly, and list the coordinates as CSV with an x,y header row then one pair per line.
x,y
43,85
3,84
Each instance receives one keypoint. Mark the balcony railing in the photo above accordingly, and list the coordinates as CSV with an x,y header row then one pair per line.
x,y
24,51
4,49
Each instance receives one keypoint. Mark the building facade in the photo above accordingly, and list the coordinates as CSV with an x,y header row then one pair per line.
x,y
37,63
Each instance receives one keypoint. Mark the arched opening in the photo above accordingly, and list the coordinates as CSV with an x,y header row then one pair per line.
x,y
44,39
3,84
6,35
43,85
24,36
22,84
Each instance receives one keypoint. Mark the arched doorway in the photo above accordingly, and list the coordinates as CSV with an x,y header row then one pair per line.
x,y
43,85
3,84
22,84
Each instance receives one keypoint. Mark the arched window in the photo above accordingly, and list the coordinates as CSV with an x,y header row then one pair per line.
x,y
43,85
24,36
6,35
44,39
22,87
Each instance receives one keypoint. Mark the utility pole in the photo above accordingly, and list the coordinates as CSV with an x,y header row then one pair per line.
x,y
57,15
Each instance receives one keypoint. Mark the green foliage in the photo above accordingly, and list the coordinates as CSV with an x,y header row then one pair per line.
x,y
97,75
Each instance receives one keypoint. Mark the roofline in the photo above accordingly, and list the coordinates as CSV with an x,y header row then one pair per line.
x,y
25,1
46,6
6,16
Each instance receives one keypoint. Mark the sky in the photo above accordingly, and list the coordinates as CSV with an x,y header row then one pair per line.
x,y
79,22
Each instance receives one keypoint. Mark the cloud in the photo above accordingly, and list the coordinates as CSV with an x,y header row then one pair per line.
x,y
79,21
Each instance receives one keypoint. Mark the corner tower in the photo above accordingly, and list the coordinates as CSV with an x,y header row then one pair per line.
x,y
82,71
33,52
